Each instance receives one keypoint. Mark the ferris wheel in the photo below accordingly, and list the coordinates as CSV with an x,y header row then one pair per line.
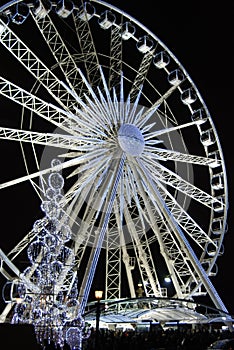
x,y
145,183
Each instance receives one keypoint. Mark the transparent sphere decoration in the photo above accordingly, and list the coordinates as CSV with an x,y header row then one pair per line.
x,y
56,268
55,162
34,276
73,335
38,225
37,250
65,254
65,233
131,139
56,181
50,193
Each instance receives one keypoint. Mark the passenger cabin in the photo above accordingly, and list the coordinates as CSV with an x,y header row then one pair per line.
x,y
199,116
41,11
218,205
64,8
215,159
207,138
145,44
217,182
20,13
175,77
212,249
161,60
188,96
128,30
217,226
86,11
106,19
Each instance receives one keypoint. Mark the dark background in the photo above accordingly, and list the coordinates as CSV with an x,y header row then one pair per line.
x,y
200,35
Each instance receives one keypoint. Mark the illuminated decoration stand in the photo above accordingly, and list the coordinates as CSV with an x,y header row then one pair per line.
x,y
50,306
145,177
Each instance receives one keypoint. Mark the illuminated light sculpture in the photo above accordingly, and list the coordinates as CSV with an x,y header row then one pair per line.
x,y
53,308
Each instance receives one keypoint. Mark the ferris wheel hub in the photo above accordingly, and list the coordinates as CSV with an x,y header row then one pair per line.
x,y
131,139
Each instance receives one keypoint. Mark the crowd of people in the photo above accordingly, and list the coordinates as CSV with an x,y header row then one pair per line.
x,y
155,339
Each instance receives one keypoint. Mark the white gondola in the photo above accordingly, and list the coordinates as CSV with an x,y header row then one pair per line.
x,y
161,59
175,77
128,30
199,116
188,96
20,13
216,159
212,249
217,226
206,266
106,19
145,44
64,8
41,10
207,137
217,182
218,205
86,11
214,270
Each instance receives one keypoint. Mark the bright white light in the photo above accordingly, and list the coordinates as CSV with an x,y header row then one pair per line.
x,y
167,279
131,140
